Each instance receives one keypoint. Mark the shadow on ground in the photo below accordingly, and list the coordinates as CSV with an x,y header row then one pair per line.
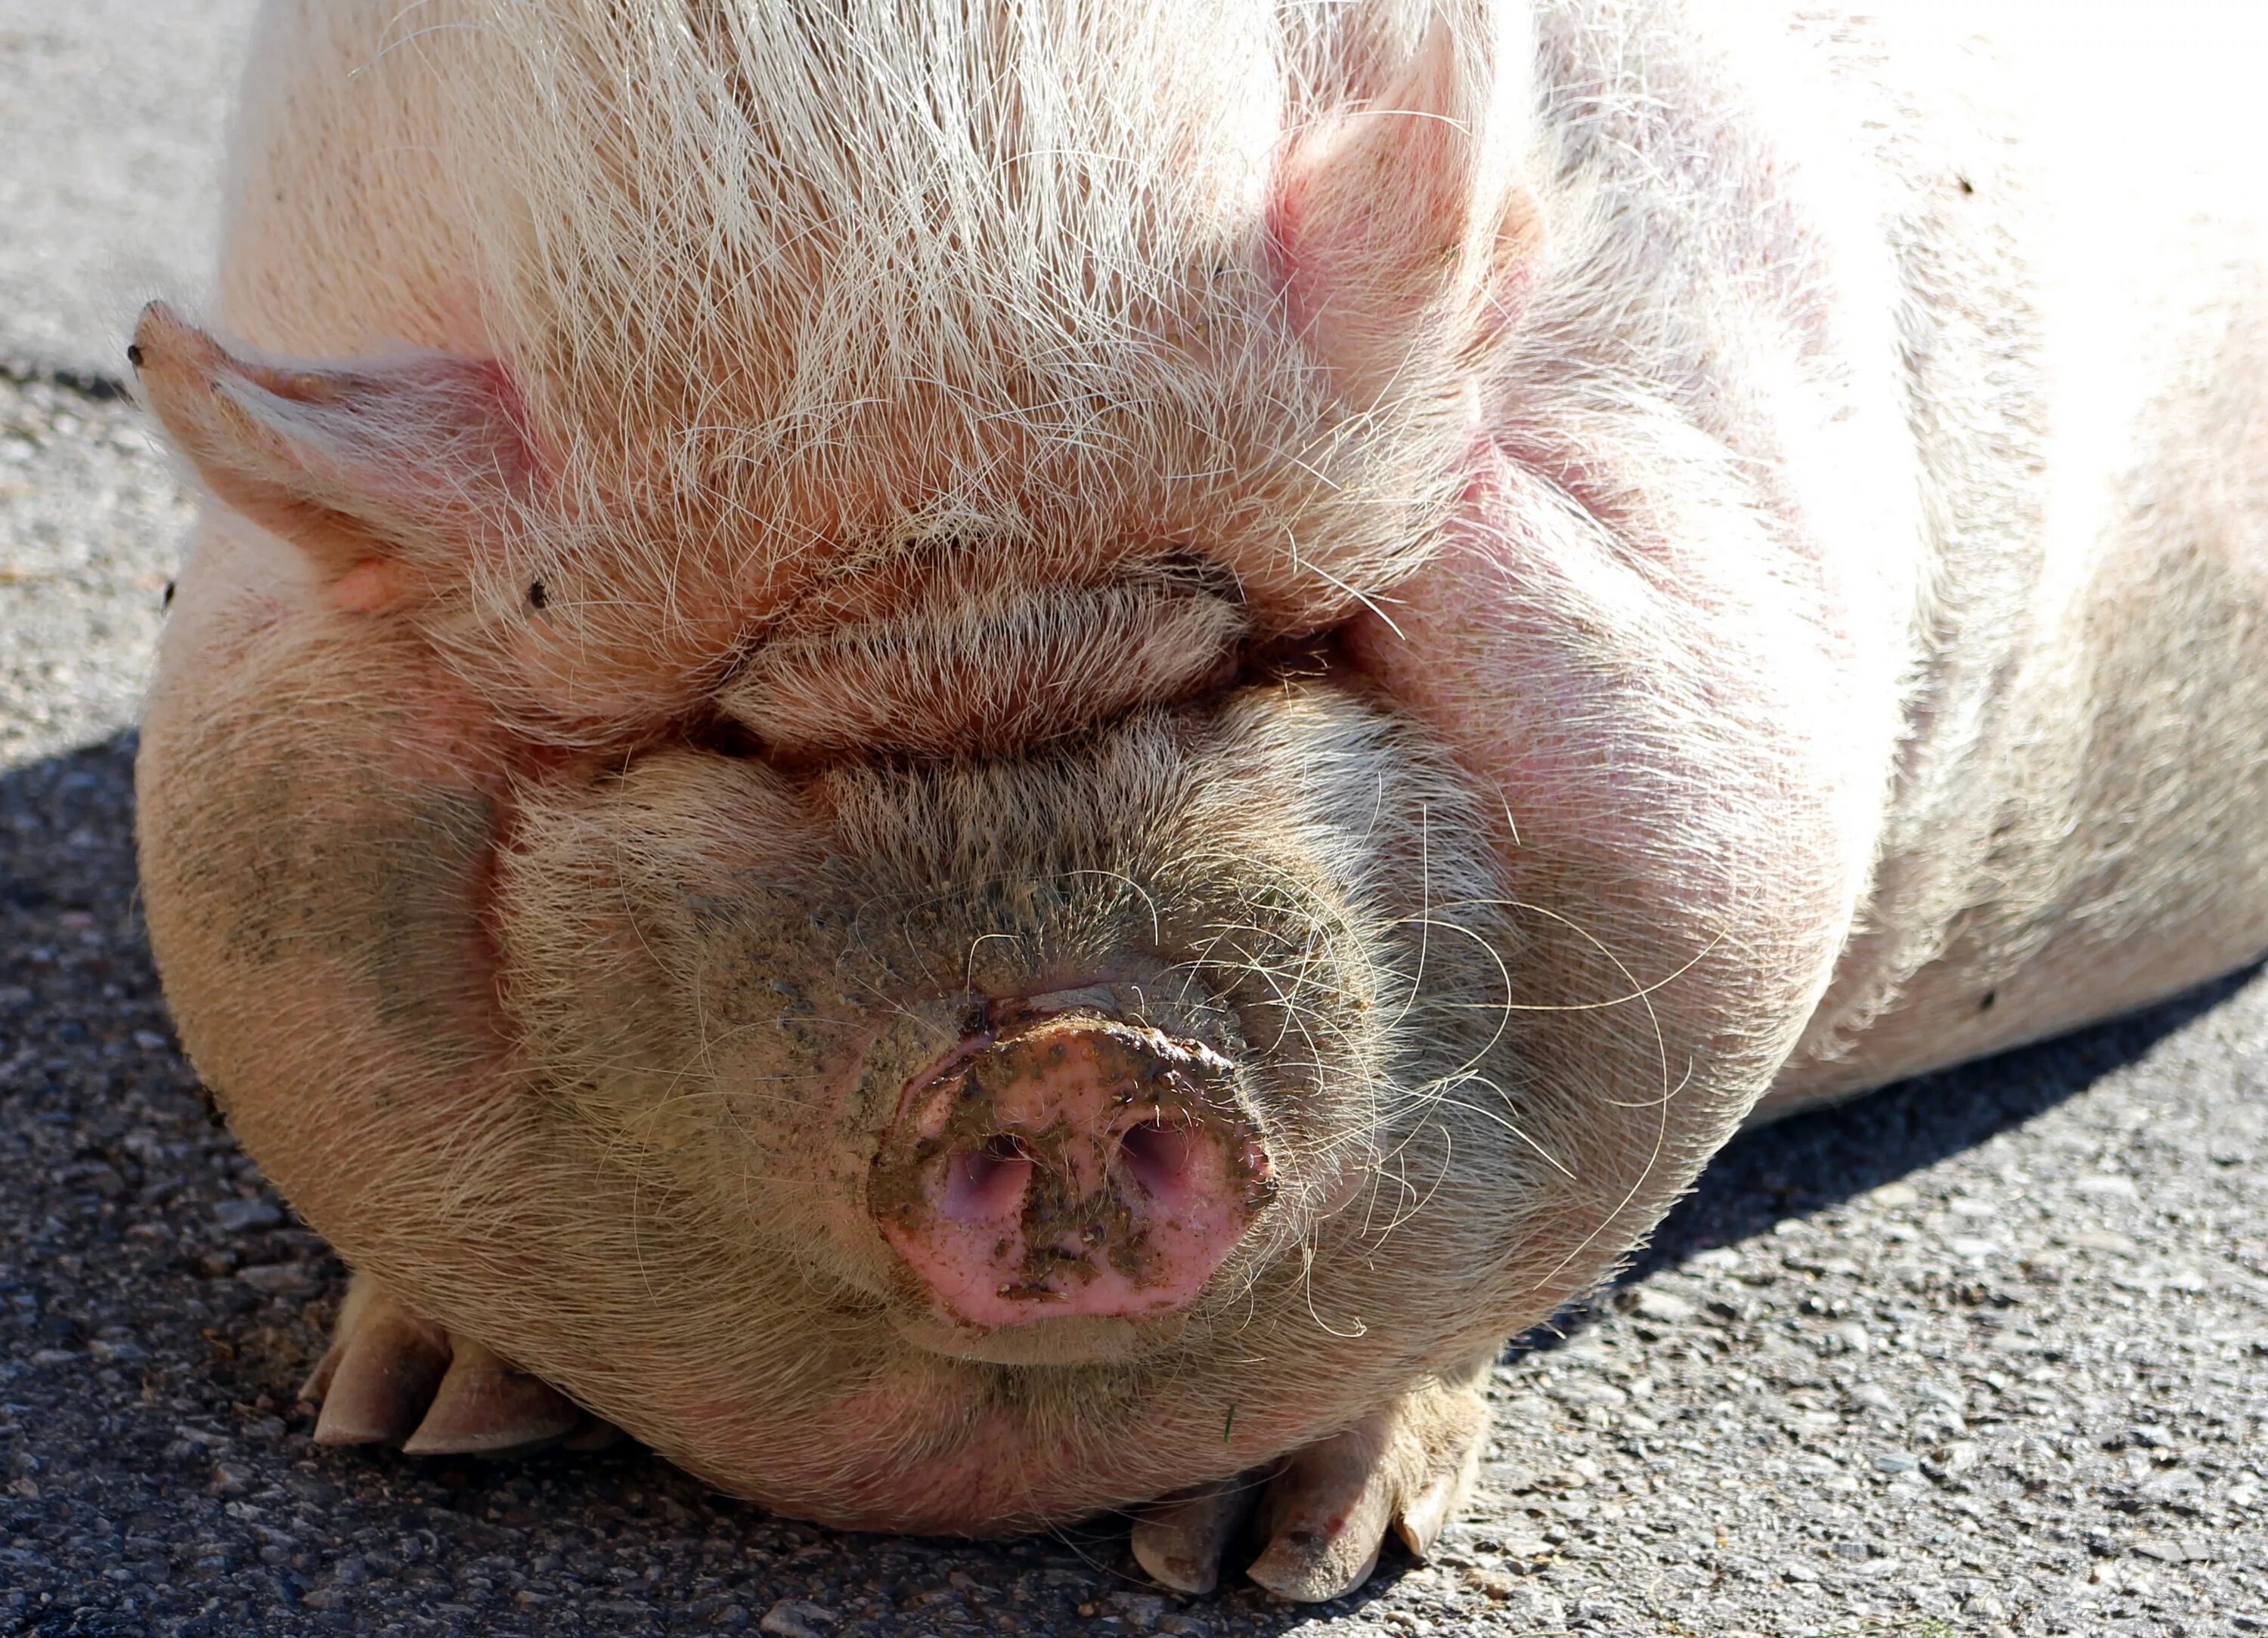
x,y
1810,1161
157,1310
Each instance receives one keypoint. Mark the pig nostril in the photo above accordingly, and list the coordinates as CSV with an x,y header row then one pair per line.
x,y
1163,1159
987,1181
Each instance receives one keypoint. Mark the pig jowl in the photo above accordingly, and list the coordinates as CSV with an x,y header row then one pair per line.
x,y
985,804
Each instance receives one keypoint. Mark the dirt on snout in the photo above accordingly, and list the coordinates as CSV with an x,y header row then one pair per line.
x,y
1083,1207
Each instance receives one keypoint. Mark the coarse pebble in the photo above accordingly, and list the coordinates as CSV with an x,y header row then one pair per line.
x,y
1984,1354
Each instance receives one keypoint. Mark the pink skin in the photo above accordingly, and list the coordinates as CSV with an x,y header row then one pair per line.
x,y
1049,1178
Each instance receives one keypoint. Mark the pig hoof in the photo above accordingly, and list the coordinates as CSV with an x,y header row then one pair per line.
x,y
1180,1540
1324,1514
391,1377
1409,1466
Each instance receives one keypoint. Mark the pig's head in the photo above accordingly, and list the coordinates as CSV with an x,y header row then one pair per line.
x,y
938,945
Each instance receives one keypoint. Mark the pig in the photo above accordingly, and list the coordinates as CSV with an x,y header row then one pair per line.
x,y
988,761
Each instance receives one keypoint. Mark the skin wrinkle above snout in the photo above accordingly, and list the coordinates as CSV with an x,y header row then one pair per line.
x,y
969,671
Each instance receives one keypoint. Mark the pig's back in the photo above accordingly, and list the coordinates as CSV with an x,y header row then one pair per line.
x,y
2080,821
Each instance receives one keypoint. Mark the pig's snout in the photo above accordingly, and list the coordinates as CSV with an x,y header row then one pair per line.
x,y
1079,1166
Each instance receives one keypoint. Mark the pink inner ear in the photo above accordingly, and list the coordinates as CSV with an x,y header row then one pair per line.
x,y
1376,228
409,460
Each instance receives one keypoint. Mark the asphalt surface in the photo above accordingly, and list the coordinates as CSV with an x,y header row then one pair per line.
x,y
111,116
1986,1353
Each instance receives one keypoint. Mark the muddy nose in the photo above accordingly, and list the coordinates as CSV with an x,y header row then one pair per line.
x,y
1077,1166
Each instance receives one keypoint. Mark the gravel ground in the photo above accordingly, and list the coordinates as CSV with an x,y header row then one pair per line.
x,y
89,517
1987,1353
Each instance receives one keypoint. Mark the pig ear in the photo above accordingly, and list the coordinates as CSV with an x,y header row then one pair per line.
x,y
375,472
1405,224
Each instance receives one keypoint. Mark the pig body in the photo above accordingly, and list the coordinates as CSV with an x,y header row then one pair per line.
x,y
988,762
